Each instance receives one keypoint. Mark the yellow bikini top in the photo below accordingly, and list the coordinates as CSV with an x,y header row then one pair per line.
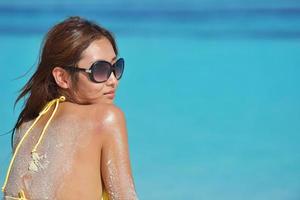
x,y
34,154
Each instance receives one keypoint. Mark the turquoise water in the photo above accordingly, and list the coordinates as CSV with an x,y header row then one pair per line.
x,y
211,96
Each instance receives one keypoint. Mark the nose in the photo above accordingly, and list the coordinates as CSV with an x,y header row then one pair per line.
x,y
112,80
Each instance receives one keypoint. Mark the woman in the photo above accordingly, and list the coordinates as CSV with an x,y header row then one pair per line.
x,y
70,140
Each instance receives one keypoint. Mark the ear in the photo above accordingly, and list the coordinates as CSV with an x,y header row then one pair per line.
x,y
61,77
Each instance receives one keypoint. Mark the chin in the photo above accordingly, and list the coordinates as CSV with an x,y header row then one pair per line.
x,y
106,100
109,101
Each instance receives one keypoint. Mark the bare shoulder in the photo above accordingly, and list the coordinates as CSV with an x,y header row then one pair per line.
x,y
110,126
111,117
111,129
101,117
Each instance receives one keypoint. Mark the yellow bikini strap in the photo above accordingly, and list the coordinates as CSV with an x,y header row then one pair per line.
x,y
44,110
21,195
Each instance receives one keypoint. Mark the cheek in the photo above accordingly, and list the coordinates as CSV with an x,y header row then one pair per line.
x,y
87,87
96,87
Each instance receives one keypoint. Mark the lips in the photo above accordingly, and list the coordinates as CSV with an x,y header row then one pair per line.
x,y
110,95
110,92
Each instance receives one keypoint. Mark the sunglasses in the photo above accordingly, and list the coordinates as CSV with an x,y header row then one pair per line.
x,y
101,70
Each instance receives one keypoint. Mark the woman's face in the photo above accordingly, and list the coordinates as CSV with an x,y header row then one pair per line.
x,y
91,92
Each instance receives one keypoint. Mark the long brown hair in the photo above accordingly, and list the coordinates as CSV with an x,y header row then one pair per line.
x,y
62,46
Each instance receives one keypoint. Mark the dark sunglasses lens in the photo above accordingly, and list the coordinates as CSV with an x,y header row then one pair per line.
x,y
100,71
119,68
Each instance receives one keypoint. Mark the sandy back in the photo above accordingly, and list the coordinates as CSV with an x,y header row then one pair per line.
x,y
56,157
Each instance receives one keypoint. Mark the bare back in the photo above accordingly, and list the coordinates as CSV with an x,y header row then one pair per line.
x,y
70,162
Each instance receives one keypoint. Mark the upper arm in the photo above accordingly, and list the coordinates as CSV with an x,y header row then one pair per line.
x,y
115,162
